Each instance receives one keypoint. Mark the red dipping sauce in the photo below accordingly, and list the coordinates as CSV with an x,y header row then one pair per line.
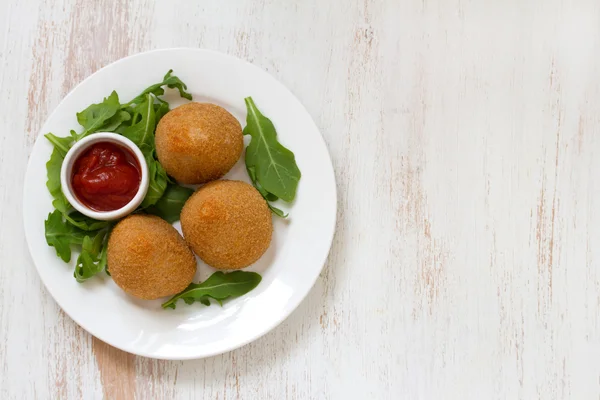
x,y
106,177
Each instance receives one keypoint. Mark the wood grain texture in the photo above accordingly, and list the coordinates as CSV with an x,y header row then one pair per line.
x,y
464,138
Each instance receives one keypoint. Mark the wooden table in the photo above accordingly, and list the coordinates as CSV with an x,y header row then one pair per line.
x,y
464,136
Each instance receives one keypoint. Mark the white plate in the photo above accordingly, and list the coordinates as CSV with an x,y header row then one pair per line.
x,y
289,268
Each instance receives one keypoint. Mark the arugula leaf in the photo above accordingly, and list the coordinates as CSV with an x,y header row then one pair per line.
x,y
61,144
114,122
62,205
218,286
85,223
61,235
203,300
141,132
104,255
277,211
96,115
170,81
174,82
53,170
157,181
160,109
266,195
169,206
92,258
77,219
274,166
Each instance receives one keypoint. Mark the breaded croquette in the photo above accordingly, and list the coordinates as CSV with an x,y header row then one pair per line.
x,y
148,258
198,142
227,224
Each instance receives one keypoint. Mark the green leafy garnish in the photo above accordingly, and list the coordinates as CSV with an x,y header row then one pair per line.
x,y
160,109
53,184
61,235
219,286
266,195
141,132
252,174
114,122
85,223
158,182
53,169
171,82
62,145
95,116
277,211
169,206
271,167
92,258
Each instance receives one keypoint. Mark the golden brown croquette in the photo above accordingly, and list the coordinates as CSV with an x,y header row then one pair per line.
x,y
228,224
198,142
148,258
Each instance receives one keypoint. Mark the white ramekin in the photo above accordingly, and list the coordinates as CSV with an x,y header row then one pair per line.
x,y
66,172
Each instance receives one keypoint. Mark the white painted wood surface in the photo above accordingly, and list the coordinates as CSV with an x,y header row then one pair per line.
x,y
465,139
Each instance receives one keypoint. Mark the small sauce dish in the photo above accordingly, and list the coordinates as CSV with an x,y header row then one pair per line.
x,y
124,149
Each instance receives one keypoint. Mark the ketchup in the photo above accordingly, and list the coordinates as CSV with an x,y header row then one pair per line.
x,y
106,177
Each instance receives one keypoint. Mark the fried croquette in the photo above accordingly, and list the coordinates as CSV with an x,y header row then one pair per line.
x,y
227,224
198,142
148,258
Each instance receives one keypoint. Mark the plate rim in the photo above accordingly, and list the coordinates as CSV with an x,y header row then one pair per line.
x,y
276,321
